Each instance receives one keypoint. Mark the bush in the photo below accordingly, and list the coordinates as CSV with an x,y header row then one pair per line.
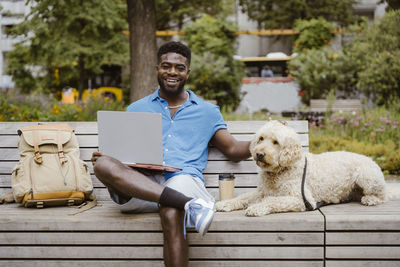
x,y
320,71
374,133
215,74
39,107
386,155
374,54
313,34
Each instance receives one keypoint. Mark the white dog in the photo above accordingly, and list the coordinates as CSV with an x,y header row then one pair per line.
x,y
330,177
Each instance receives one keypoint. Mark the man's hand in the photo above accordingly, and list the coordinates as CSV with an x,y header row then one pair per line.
x,y
95,156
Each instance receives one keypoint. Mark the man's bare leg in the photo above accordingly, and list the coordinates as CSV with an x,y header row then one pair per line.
x,y
175,245
125,181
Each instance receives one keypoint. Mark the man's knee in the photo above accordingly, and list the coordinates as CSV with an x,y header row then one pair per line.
x,y
171,218
107,167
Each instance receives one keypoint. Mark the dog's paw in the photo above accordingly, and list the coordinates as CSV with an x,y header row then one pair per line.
x,y
224,205
371,200
256,211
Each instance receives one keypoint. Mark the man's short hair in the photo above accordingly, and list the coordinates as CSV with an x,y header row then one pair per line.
x,y
174,47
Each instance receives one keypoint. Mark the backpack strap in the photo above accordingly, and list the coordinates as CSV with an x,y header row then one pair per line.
x,y
61,155
87,205
38,157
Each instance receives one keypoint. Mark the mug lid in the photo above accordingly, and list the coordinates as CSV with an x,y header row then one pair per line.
x,y
226,176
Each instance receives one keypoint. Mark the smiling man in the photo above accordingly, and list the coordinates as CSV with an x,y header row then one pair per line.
x,y
188,125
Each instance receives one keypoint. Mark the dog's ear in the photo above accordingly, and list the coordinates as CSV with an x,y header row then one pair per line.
x,y
290,153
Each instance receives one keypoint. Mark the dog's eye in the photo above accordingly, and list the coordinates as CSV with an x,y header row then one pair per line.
x,y
275,142
260,139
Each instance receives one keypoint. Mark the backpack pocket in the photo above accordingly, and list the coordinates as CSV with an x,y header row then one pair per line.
x,y
19,181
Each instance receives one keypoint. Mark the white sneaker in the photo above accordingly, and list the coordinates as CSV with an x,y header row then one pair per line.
x,y
199,214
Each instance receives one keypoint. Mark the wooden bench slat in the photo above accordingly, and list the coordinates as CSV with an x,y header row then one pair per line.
x,y
363,238
321,105
362,263
128,252
355,216
241,127
10,152
6,167
139,238
87,127
242,180
109,218
154,263
91,141
102,193
370,252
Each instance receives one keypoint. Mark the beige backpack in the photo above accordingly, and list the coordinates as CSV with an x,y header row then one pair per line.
x,y
50,172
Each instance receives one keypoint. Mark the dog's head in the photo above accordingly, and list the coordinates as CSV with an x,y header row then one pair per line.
x,y
275,146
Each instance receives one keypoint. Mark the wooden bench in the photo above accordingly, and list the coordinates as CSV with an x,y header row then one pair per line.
x,y
321,105
105,237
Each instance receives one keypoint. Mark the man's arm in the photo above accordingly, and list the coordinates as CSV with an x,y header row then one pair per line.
x,y
233,149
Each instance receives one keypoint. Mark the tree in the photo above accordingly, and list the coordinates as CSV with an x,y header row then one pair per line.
x,y
143,16
314,33
173,14
215,74
374,55
272,14
68,39
143,48
320,71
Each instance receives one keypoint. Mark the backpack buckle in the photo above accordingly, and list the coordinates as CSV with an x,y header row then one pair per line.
x,y
39,204
38,158
62,157
70,202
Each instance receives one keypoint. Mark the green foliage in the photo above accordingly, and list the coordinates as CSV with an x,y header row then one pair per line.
x,y
374,133
215,74
72,37
320,71
374,55
172,14
271,14
314,33
387,155
41,107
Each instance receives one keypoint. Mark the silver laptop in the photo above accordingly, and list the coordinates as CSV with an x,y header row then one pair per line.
x,y
134,138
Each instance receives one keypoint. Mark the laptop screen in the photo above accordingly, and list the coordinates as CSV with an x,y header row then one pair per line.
x,y
131,137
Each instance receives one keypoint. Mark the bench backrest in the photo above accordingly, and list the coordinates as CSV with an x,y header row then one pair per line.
x,y
86,132
321,105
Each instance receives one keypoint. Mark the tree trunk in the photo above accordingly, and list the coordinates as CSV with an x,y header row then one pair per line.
x,y
82,80
143,47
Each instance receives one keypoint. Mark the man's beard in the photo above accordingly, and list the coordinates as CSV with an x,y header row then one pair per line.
x,y
171,93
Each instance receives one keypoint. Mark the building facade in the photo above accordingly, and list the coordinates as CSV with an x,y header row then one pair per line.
x,y
12,12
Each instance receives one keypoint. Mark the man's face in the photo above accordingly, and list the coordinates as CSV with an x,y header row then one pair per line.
x,y
173,71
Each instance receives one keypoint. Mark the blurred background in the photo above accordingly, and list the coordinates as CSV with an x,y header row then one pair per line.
x,y
332,62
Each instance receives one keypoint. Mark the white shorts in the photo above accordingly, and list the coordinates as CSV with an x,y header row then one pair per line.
x,y
186,184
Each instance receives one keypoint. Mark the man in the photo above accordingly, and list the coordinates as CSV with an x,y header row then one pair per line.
x,y
189,124
266,72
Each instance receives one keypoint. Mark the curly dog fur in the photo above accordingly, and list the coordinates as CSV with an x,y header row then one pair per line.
x,y
331,177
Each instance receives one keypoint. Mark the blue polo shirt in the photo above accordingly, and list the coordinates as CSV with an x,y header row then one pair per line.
x,y
187,134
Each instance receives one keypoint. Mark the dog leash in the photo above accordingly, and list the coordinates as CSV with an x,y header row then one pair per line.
x,y
309,207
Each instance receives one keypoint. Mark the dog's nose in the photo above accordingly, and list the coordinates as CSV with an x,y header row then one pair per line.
x,y
260,156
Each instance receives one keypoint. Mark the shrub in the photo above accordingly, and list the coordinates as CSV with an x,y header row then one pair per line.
x,y
374,55
313,34
39,107
320,71
374,133
386,155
